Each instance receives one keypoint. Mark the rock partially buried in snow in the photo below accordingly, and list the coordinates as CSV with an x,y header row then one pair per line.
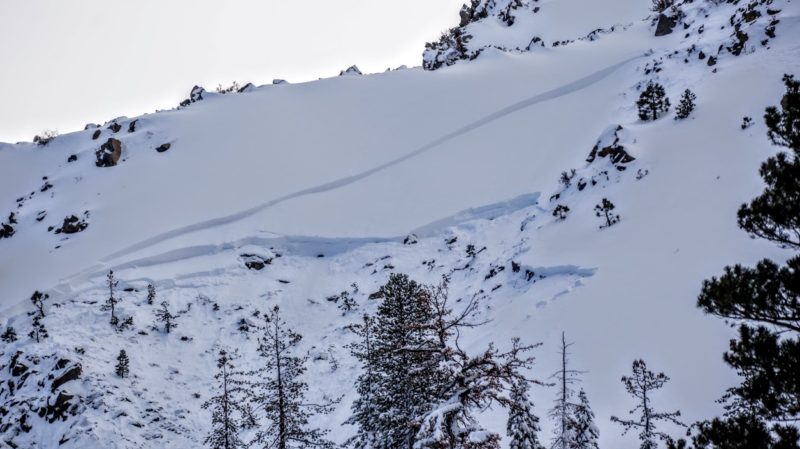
x,y
109,153
72,225
665,25
132,126
279,81
608,146
96,134
196,94
115,127
352,70
163,147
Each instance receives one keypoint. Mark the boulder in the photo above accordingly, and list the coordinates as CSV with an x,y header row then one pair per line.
x,y
163,147
132,126
665,25
115,127
71,374
96,134
72,158
109,153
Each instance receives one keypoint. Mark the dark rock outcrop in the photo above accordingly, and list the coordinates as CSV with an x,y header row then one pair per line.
x,y
109,153
96,134
608,146
163,147
72,225
665,25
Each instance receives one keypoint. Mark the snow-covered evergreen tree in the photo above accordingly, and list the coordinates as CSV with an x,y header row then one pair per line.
x,y
226,406
123,364
408,373
281,392
151,294
523,425
166,318
582,428
364,411
686,105
641,385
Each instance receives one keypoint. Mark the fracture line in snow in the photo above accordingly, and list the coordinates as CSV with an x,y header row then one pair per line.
x,y
566,89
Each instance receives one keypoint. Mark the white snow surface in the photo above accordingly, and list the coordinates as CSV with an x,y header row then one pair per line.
x,y
347,167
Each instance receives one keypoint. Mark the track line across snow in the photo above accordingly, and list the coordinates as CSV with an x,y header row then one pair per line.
x,y
566,89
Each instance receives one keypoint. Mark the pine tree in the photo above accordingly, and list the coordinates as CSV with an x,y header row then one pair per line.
x,y
166,318
686,105
38,298
38,331
364,411
282,392
151,294
523,425
9,335
653,102
765,301
604,209
112,302
408,377
641,386
123,364
582,427
564,408
226,406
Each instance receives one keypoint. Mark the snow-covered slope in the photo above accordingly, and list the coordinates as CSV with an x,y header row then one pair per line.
x,y
348,179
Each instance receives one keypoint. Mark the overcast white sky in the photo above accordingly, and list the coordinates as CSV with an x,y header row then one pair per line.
x,y
66,63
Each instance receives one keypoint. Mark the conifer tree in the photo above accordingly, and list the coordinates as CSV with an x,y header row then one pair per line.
x,y
166,318
112,302
605,210
38,298
564,407
281,393
226,406
765,301
641,385
151,294
523,425
408,375
364,411
582,427
653,102
686,105
38,331
123,364
9,335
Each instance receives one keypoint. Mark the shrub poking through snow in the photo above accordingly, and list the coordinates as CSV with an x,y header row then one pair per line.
x,y
686,105
746,122
9,335
38,298
653,102
38,331
605,210
123,364
45,137
561,211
